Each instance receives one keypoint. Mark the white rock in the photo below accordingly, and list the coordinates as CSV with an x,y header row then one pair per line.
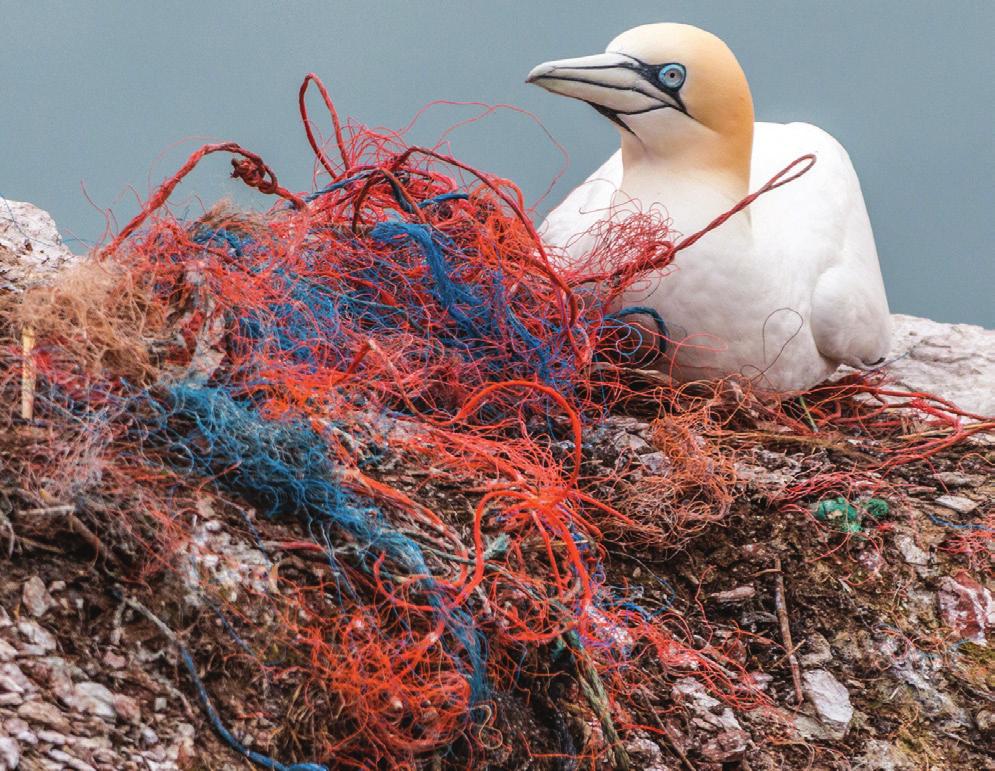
x,y
957,503
41,712
830,699
69,761
52,737
127,709
20,730
93,699
912,554
880,755
646,752
12,679
7,651
30,245
818,651
957,479
36,636
954,361
10,752
36,597
149,737
704,706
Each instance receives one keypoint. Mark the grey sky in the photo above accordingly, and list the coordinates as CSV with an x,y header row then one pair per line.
x,y
116,94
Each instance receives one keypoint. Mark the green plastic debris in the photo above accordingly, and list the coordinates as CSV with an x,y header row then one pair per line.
x,y
877,507
846,517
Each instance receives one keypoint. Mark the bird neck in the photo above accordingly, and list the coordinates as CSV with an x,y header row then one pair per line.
x,y
696,176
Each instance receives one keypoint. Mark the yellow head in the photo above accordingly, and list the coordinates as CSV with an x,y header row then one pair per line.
x,y
676,93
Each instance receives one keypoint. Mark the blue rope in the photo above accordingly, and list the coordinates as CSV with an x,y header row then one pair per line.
x,y
960,526
215,719
661,328
284,469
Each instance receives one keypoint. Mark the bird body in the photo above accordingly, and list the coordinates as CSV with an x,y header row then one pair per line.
x,y
784,291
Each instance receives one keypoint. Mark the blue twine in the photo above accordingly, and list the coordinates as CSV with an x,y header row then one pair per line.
x,y
661,327
960,525
215,719
487,330
283,467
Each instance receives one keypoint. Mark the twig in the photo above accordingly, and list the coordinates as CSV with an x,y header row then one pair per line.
x,y
78,527
62,508
671,743
781,604
29,374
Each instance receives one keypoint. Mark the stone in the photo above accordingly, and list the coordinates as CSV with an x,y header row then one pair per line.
x,y
957,503
725,747
880,755
52,737
36,635
656,463
985,720
911,553
958,479
708,710
149,737
830,698
953,361
634,443
92,699
733,596
114,660
31,248
9,685
818,652
10,752
35,597
70,762
20,730
160,704
127,709
12,679
7,651
645,753
967,607
43,713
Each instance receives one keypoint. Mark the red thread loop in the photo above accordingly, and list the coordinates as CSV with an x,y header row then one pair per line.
x,y
254,174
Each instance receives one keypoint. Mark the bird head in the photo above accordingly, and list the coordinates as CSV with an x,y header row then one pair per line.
x,y
672,89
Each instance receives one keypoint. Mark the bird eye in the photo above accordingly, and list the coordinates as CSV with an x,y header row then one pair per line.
x,y
672,75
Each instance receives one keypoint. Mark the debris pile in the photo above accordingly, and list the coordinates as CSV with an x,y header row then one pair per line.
x,y
366,481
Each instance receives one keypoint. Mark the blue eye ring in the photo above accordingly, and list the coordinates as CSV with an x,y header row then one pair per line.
x,y
672,76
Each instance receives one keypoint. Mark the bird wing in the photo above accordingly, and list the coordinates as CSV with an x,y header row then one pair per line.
x,y
819,229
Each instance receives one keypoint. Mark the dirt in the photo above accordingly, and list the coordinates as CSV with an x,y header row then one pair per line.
x,y
897,685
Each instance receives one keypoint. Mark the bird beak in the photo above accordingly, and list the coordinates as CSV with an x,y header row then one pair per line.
x,y
614,84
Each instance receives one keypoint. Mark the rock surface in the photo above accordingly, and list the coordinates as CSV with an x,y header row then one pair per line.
x,y
99,699
30,245
830,699
955,361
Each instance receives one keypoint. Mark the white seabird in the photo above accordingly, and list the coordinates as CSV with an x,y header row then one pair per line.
x,y
783,292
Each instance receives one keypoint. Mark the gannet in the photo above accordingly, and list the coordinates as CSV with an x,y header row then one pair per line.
x,y
786,290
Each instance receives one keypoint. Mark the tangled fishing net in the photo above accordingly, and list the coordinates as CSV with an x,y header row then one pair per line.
x,y
387,388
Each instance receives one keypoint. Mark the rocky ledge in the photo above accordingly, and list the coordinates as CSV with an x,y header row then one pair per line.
x,y
84,684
